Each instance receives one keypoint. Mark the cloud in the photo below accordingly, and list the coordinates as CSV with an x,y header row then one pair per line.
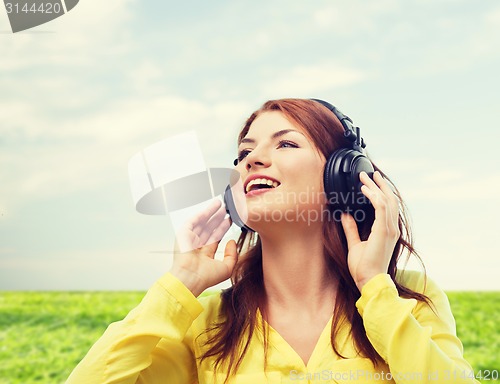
x,y
446,42
148,77
420,180
363,16
311,80
438,186
65,124
49,155
492,17
81,36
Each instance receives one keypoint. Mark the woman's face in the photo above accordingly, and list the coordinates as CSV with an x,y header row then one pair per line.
x,y
281,171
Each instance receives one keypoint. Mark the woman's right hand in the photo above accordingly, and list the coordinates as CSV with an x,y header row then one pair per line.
x,y
196,243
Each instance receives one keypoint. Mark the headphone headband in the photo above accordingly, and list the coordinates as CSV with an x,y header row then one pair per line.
x,y
352,133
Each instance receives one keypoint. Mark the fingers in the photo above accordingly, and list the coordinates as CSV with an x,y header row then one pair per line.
x,y
230,255
206,229
204,216
199,230
220,231
377,190
209,249
350,230
382,184
383,200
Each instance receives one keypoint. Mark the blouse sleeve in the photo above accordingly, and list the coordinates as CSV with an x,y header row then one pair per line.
x,y
415,339
150,345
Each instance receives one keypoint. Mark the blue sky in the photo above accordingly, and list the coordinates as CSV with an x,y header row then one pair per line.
x,y
81,95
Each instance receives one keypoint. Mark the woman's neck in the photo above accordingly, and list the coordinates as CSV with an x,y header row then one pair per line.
x,y
296,277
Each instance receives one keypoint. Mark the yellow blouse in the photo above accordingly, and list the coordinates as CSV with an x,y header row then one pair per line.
x,y
156,342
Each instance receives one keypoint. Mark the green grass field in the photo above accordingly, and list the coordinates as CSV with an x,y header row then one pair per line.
x,y
44,335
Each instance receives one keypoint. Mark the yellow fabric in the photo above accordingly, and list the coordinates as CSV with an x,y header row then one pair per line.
x,y
157,342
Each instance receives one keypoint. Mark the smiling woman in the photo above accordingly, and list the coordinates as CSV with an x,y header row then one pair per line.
x,y
308,297
275,140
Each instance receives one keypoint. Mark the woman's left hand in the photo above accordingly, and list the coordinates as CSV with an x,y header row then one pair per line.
x,y
368,258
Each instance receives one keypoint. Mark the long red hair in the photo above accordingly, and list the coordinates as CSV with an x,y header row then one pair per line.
x,y
231,336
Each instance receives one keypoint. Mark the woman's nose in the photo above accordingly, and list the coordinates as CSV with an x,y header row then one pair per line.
x,y
259,157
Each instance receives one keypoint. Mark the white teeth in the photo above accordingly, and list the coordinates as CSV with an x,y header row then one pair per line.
x,y
261,181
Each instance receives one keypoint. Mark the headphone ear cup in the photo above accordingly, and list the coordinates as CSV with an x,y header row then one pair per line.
x,y
341,179
334,180
232,211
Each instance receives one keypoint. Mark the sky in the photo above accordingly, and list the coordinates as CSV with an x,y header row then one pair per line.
x,y
81,95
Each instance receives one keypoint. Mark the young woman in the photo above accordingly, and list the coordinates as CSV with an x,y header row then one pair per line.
x,y
315,296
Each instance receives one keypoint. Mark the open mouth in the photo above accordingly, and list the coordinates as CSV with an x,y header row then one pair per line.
x,y
261,183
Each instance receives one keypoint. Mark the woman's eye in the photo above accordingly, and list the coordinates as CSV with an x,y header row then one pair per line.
x,y
244,153
287,144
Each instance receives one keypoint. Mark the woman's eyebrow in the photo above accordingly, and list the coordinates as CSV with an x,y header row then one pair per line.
x,y
273,136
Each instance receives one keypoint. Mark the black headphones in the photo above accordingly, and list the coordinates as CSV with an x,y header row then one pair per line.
x,y
343,166
340,175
